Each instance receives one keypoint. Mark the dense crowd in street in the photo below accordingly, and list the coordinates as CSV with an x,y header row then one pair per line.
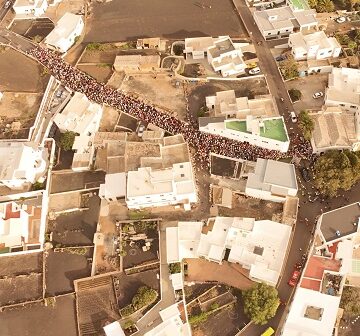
x,y
103,94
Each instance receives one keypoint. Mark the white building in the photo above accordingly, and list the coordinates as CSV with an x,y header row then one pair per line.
x,y
114,329
21,227
172,324
114,188
21,163
315,46
30,7
311,313
197,47
344,89
269,133
79,115
259,246
282,21
65,32
272,181
225,57
225,104
335,129
147,187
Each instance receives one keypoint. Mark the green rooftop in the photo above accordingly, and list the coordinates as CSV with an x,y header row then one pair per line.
x,y
273,128
300,4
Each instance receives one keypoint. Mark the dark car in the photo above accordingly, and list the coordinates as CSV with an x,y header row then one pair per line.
x,y
305,174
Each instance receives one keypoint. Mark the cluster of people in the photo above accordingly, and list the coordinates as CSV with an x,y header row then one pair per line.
x,y
103,94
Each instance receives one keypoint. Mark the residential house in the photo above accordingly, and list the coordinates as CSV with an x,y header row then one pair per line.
x,y
197,47
335,128
272,181
265,132
30,7
344,90
259,246
21,163
315,46
114,188
282,21
135,63
148,187
66,30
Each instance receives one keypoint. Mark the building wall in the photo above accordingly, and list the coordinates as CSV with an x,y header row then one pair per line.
x,y
31,9
264,195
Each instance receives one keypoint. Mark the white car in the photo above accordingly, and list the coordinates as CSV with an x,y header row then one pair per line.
x,y
318,95
7,4
340,19
293,117
254,71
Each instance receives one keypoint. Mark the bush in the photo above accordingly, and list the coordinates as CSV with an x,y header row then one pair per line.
x,y
67,140
295,95
127,311
197,319
306,124
143,297
175,268
178,49
93,46
289,68
350,300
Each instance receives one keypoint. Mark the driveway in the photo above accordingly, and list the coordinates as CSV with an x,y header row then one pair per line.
x,y
308,86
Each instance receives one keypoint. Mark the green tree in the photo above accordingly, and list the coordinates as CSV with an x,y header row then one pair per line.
x,y
175,268
67,140
261,302
352,45
295,94
336,170
325,6
306,124
289,68
143,297
350,300
313,3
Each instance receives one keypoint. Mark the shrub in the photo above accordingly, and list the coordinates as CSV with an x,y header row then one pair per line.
x,y
67,140
175,268
295,95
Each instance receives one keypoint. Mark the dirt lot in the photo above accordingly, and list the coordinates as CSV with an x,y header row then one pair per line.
x,y
31,28
19,73
127,122
159,90
128,20
252,207
20,289
19,107
36,319
78,227
63,268
243,88
21,264
101,72
109,119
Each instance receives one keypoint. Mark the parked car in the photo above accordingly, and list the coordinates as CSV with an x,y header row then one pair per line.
x,y
305,174
59,93
318,95
340,19
280,58
293,117
254,71
268,332
294,278
141,130
7,4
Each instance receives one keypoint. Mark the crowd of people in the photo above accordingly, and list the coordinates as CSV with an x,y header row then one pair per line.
x,y
103,94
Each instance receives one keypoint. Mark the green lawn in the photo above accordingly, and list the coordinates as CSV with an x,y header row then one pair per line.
x,y
300,4
273,128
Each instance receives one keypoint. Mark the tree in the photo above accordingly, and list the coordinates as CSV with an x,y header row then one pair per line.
x,y
67,140
352,45
350,300
295,94
336,170
175,268
289,68
325,6
306,124
312,3
261,303
143,297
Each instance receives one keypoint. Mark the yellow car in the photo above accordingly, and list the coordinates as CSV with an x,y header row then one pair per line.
x,y
268,332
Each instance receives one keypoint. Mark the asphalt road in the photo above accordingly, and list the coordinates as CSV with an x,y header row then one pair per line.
x,y
3,10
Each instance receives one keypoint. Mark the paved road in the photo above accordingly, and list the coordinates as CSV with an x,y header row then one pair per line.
x,y
4,10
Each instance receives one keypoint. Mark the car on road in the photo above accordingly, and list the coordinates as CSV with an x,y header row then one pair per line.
x,y
294,278
254,71
141,130
268,332
293,117
318,95
305,174
340,19
7,4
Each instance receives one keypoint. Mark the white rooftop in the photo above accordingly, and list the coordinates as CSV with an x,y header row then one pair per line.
x,y
114,329
114,186
319,38
273,176
64,28
297,324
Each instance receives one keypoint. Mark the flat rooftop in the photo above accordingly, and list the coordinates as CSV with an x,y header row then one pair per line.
x,y
273,128
345,220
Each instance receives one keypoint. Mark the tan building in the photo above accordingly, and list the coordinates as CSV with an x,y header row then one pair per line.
x,y
135,63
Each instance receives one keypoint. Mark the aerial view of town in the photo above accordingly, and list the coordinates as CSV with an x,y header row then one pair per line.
x,y
180,167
